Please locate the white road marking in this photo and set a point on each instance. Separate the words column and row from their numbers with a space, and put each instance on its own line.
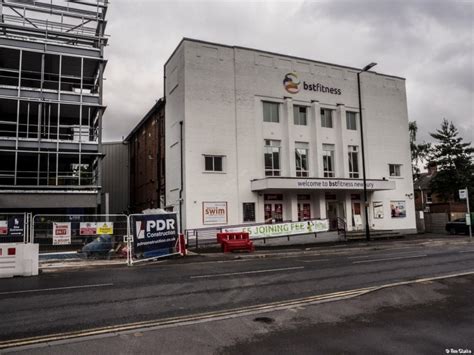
column 467, row 251
column 388, row 255
column 247, row 272
column 314, row 261
column 54, row 289
column 387, row 259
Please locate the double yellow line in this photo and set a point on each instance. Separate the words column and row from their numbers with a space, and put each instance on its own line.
column 219, row 315
column 175, row 321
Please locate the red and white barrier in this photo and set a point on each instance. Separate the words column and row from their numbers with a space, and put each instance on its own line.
column 18, row 259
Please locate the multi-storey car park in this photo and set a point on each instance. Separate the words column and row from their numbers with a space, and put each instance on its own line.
column 51, row 74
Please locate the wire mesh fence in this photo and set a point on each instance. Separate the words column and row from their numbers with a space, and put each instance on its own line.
column 90, row 235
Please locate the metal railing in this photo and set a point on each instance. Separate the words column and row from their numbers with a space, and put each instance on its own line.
column 342, row 227
column 207, row 237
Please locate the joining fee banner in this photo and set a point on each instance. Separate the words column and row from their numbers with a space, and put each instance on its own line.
column 153, row 232
column 283, row 229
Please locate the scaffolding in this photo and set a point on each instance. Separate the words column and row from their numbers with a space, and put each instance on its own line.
column 51, row 77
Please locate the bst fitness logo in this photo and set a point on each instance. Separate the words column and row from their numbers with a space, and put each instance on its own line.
column 291, row 83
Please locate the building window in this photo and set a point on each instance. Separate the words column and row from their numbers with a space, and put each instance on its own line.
column 429, row 197
column 326, row 118
column 249, row 211
column 328, row 160
column 394, row 169
column 272, row 157
column 351, row 120
column 301, row 159
column 271, row 112
column 299, row 115
column 213, row 163
column 353, row 155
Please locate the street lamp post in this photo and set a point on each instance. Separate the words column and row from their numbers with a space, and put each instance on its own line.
column 364, row 178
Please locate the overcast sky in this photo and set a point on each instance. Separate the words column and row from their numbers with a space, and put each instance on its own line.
column 430, row 43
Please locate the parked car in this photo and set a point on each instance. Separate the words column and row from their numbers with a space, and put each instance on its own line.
column 100, row 246
column 457, row 226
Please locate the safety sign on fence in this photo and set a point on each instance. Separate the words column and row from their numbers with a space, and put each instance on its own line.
column 3, row 227
column 154, row 234
column 105, row 228
column 12, row 228
column 61, row 233
column 87, row 228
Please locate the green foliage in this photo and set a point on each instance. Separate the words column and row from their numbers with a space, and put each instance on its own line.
column 453, row 158
column 419, row 152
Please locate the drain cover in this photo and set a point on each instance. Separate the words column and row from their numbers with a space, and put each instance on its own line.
column 266, row 320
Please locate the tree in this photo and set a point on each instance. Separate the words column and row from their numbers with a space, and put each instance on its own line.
column 454, row 160
column 419, row 152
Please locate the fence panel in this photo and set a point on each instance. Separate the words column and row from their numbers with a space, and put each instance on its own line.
column 90, row 235
column 152, row 236
column 436, row 222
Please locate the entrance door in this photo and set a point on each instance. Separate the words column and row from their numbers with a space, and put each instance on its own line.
column 356, row 215
column 334, row 209
column 273, row 212
column 304, row 211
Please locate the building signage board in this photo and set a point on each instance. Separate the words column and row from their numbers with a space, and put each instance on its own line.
column 378, row 209
column 283, row 229
column 214, row 212
column 16, row 226
column 154, row 231
column 88, row 228
column 398, row 209
column 3, row 227
column 105, row 228
column 61, row 233
column 321, row 184
column 293, row 85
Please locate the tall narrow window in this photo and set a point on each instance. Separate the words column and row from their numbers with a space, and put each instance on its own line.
column 328, row 160
column 249, row 211
column 351, row 120
column 301, row 159
column 326, row 118
column 353, row 155
column 271, row 112
column 272, row 157
column 299, row 115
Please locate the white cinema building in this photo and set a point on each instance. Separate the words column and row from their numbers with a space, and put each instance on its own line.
column 253, row 136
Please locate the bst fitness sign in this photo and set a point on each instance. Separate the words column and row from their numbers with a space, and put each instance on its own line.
column 293, row 85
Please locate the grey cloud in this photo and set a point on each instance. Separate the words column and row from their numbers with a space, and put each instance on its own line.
column 430, row 43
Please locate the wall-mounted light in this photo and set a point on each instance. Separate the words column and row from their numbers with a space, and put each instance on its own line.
column 410, row 195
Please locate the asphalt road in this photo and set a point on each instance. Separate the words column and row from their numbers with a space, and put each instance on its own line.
column 67, row 301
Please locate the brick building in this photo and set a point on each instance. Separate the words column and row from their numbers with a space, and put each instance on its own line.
column 147, row 160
